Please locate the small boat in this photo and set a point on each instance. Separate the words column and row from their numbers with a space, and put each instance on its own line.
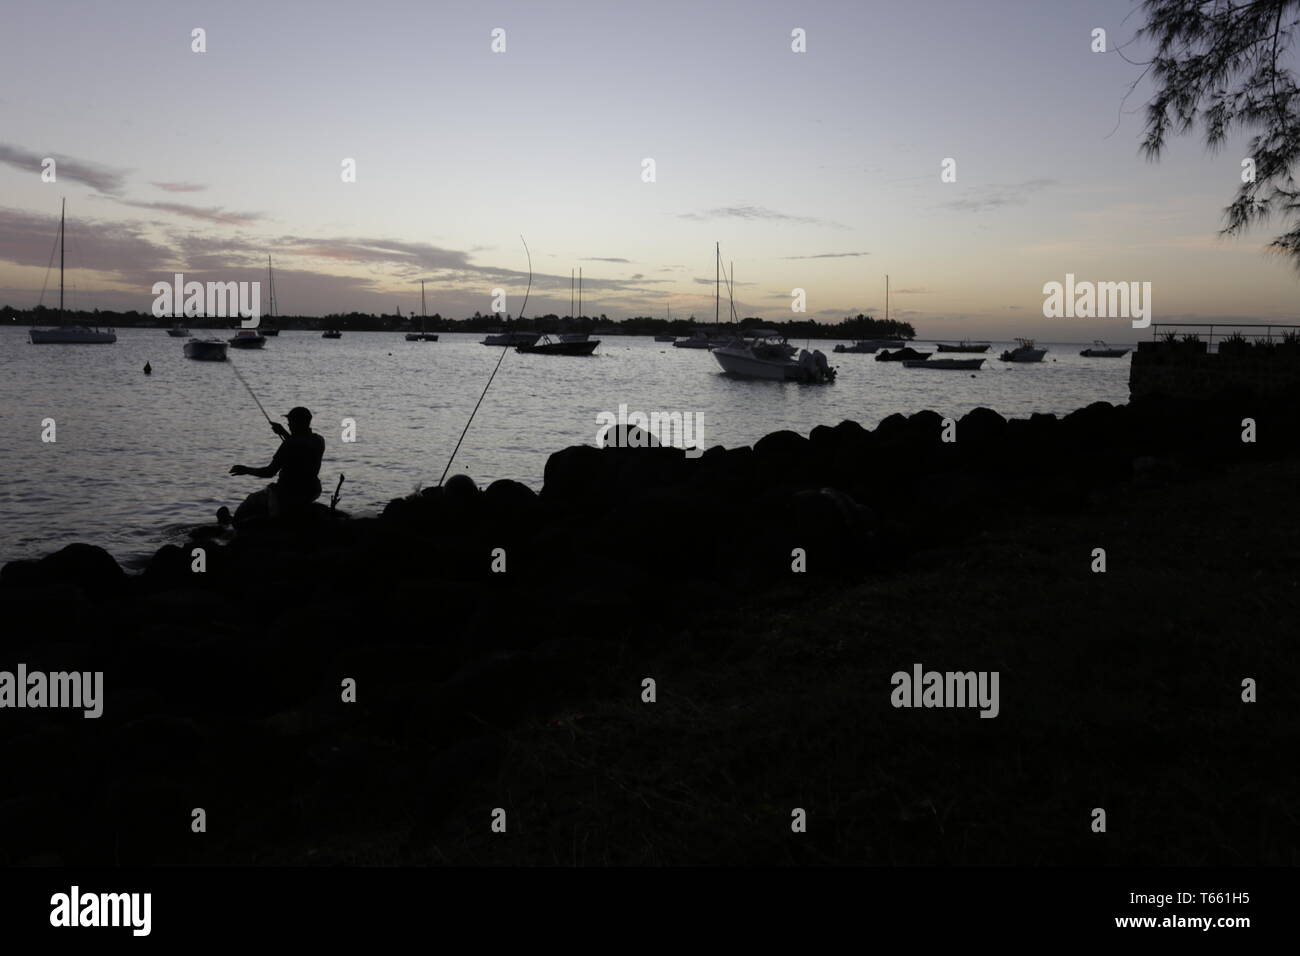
column 965, row 345
column 959, row 364
column 1101, row 350
column 178, row 331
column 331, row 334
column 206, row 350
column 905, row 354
column 550, row 346
column 512, row 338
column 861, row 347
column 68, row 334
column 771, row 357
column 1023, row 352
column 268, row 330
column 248, row 339
column 665, row 338
column 72, row 335
column 697, row 340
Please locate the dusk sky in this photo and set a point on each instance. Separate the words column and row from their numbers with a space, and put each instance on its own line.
column 816, row 170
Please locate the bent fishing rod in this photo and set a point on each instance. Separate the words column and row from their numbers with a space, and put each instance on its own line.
column 504, row 350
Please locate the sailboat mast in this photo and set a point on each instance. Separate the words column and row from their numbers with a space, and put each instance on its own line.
column 731, row 290
column 571, row 315
column 422, row 307
column 717, row 281
column 886, row 297
column 579, row 291
column 63, row 218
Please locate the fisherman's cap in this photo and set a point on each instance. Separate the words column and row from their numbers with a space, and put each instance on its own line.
column 299, row 414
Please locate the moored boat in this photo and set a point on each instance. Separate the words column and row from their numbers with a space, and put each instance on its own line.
column 331, row 334
column 512, row 338
column 178, row 331
column 965, row 345
column 905, row 354
column 550, row 346
column 68, row 334
column 206, row 350
column 1101, row 350
column 772, row 358
column 1025, row 351
column 247, row 339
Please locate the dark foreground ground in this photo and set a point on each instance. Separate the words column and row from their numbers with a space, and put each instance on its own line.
column 523, row 690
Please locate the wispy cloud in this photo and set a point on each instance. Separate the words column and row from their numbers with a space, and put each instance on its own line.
column 830, row 255
column 602, row 259
column 214, row 214
column 1000, row 194
column 103, row 179
column 179, row 187
column 751, row 213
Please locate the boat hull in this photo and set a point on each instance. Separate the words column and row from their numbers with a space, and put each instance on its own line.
column 75, row 335
column 1024, row 355
column 248, row 342
column 963, row 348
column 331, row 335
column 206, row 350
column 905, row 354
column 1104, row 353
column 559, row 348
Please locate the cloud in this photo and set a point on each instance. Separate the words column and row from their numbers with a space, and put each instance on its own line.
column 100, row 178
column 708, row 281
column 602, row 259
column 113, row 247
column 1000, row 194
column 829, row 255
column 179, row 187
column 751, row 213
column 913, row 292
column 214, row 214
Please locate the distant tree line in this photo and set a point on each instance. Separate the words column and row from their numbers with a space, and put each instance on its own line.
column 856, row 327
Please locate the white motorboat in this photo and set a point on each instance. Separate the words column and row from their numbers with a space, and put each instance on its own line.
column 772, row 358
column 1025, row 351
column 1101, row 350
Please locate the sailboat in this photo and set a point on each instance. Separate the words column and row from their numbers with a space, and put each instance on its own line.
column 573, row 343
column 767, row 355
column 70, row 334
column 871, row 346
column 423, row 335
column 269, row 327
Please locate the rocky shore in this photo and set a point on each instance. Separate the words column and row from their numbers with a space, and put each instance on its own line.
column 497, row 641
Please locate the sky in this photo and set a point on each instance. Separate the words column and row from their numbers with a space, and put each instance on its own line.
column 818, row 170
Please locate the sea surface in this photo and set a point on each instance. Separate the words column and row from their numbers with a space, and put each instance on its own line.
column 138, row 458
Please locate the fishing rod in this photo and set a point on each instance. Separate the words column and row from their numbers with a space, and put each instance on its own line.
column 504, row 350
column 241, row 378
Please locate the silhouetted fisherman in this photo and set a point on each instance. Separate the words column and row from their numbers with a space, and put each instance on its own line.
column 296, row 461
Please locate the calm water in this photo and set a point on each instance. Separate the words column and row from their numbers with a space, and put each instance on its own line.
column 139, row 457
